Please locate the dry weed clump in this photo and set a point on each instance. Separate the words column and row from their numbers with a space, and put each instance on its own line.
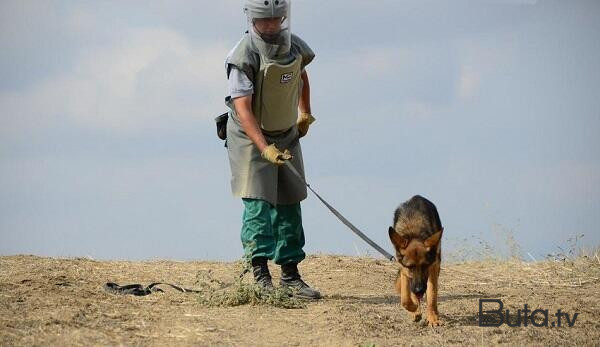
column 216, row 293
column 240, row 293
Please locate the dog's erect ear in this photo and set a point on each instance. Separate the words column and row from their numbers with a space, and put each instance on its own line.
column 398, row 241
column 434, row 239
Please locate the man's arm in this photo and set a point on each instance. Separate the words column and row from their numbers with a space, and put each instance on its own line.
column 243, row 108
column 304, row 103
column 305, row 118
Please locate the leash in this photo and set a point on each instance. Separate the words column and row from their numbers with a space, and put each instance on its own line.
column 339, row 215
column 139, row 290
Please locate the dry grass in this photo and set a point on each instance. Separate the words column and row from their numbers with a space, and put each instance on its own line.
column 551, row 273
column 61, row 301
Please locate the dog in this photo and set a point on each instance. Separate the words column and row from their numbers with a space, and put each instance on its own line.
column 416, row 236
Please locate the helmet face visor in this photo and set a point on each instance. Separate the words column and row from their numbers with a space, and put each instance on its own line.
column 270, row 29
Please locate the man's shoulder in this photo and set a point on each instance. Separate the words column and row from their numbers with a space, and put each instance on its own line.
column 300, row 46
column 242, row 55
column 242, row 48
column 299, row 42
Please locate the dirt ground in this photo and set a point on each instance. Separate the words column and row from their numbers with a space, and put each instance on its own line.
column 50, row 301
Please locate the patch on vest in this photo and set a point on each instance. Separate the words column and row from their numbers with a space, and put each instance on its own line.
column 286, row 77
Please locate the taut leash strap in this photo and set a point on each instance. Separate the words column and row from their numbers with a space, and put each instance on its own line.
column 339, row 215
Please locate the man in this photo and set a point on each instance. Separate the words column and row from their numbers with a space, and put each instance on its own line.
column 268, row 86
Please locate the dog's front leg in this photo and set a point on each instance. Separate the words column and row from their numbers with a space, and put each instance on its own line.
column 432, row 293
column 408, row 300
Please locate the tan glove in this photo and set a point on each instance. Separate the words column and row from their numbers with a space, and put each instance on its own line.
column 304, row 120
column 274, row 155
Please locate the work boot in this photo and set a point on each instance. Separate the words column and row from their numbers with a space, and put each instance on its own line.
column 290, row 278
column 262, row 277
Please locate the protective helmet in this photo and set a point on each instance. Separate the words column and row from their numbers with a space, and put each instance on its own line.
column 269, row 26
column 267, row 8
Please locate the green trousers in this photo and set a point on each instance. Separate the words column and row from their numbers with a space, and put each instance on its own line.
column 274, row 232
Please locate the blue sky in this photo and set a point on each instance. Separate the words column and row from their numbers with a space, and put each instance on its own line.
column 488, row 108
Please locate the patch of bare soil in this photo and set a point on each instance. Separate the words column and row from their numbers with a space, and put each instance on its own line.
column 62, row 301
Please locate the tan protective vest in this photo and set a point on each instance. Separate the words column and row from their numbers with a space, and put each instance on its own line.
column 276, row 93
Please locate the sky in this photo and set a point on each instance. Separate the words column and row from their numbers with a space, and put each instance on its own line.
column 490, row 109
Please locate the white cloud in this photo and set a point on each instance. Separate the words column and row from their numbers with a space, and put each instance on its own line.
column 145, row 79
column 140, row 80
column 479, row 60
column 468, row 82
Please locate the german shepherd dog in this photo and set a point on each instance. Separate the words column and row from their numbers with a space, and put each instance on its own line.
column 416, row 236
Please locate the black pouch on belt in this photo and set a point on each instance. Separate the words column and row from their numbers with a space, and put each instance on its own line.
column 222, row 125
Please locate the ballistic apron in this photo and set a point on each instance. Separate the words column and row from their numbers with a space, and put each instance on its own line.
column 277, row 87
